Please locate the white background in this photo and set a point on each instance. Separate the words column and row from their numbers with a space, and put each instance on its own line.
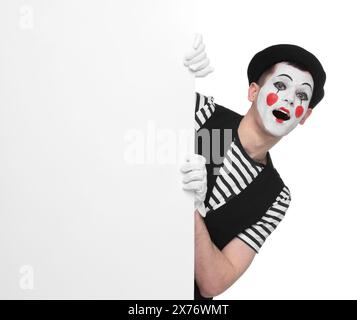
column 312, row 253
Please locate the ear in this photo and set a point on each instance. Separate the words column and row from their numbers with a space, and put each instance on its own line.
column 306, row 115
column 253, row 91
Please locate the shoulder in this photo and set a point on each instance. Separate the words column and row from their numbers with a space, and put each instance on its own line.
column 206, row 107
column 202, row 100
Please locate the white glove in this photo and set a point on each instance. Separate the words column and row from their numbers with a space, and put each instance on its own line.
column 195, row 179
column 197, row 60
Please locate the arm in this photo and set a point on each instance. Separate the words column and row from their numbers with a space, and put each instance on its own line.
column 215, row 270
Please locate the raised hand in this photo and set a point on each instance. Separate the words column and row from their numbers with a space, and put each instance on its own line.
column 196, row 60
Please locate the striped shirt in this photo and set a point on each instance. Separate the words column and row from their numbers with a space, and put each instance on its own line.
column 237, row 171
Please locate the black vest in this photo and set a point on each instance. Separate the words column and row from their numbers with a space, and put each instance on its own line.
column 246, row 208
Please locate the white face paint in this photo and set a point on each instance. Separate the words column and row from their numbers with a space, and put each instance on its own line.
column 284, row 99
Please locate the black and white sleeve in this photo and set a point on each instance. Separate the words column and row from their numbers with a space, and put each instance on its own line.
column 204, row 108
column 256, row 234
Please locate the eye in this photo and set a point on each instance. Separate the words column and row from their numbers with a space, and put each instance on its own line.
column 279, row 85
column 302, row 96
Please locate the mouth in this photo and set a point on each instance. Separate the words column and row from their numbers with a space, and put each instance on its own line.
column 282, row 114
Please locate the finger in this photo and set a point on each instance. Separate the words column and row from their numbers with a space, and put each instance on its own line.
column 196, row 175
column 200, row 66
column 192, row 166
column 195, row 157
column 200, row 197
column 193, row 162
column 203, row 73
column 198, row 40
column 202, row 56
column 195, row 52
column 202, row 190
column 192, row 186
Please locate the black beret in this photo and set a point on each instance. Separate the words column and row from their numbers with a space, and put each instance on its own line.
column 266, row 58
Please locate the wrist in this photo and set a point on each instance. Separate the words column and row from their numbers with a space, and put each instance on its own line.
column 199, row 224
column 200, row 207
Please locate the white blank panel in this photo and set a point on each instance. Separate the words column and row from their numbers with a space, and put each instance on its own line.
column 94, row 104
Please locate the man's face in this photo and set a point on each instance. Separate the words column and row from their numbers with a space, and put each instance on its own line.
column 284, row 98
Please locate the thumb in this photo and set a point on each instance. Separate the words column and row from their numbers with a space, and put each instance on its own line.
column 198, row 40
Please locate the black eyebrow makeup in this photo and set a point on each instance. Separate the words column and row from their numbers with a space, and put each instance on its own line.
column 285, row 75
column 307, row 84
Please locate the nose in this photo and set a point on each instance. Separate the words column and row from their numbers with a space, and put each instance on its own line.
column 289, row 98
column 289, row 101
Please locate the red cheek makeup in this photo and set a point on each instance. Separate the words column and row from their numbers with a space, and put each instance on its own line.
column 272, row 98
column 299, row 111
